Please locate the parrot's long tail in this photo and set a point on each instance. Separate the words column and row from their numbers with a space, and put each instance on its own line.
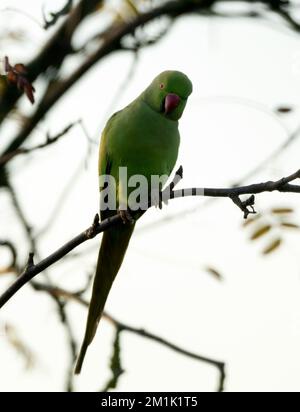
column 111, row 254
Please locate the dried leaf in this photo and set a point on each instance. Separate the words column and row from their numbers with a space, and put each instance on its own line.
column 284, row 109
column 290, row 225
column 212, row 271
column 7, row 270
column 15, row 341
column 29, row 90
column 251, row 219
column 15, row 35
column 261, row 231
column 17, row 75
column 272, row 246
column 282, row 210
column 20, row 68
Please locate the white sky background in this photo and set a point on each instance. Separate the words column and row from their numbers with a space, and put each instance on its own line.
column 241, row 69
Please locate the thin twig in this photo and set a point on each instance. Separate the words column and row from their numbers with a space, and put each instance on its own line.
column 19, row 211
column 23, row 13
column 55, row 16
column 13, row 251
column 49, row 141
column 292, row 138
column 120, row 91
column 69, row 186
column 59, row 304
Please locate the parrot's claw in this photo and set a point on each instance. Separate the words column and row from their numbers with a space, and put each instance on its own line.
column 126, row 216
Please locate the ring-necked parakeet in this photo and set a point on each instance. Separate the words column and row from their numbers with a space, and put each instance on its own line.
column 144, row 138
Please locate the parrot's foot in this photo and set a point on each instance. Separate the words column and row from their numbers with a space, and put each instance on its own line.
column 126, row 216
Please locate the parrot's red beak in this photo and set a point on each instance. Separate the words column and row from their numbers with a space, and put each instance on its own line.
column 171, row 102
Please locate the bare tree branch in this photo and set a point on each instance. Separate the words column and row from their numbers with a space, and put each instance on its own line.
column 284, row 13
column 52, row 55
column 59, row 47
column 59, row 304
column 139, row 332
column 282, row 185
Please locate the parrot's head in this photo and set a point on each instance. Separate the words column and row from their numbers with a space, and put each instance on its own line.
column 168, row 94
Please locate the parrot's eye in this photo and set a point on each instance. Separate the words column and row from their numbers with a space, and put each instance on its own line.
column 161, row 86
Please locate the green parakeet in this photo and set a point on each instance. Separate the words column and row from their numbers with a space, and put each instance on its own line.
column 144, row 138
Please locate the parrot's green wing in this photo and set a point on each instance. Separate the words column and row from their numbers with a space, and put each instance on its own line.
column 105, row 159
column 111, row 254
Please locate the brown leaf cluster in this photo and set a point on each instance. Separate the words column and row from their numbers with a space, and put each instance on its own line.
column 17, row 75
